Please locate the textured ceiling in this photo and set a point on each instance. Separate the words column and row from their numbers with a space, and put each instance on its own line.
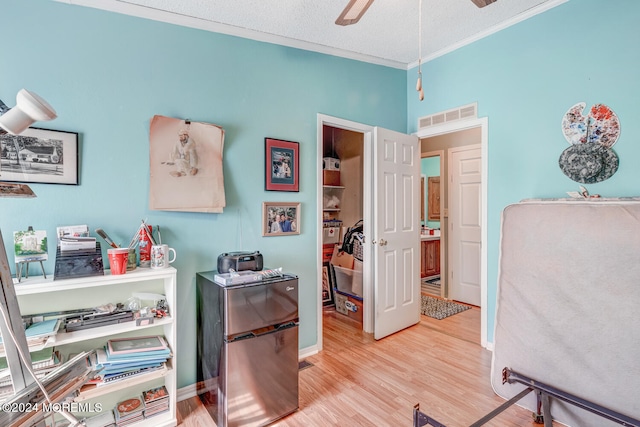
column 387, row 34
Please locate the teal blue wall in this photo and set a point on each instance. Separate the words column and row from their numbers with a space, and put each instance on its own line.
column 430, row 166
column 524, row 79
column 107, row 75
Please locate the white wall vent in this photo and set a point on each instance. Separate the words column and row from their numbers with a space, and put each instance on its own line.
column 461, row 113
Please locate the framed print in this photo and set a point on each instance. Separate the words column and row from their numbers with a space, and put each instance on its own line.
column 30, row 245
column 280, row 218
column 327, row 285
column 40, row 156
column 186, row 168
column 281, row 165
column 119, row 346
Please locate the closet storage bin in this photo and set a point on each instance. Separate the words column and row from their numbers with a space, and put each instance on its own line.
column 348, row 281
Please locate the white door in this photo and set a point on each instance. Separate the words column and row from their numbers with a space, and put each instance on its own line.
column 465, row 223
column 396, row 222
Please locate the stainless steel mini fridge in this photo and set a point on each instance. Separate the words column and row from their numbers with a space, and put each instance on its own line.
column 248, row 349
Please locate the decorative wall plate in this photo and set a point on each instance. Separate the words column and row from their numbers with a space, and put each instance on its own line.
column 600, row 126
column 588, row 163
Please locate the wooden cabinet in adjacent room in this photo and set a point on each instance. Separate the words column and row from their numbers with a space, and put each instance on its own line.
column 430, row 258
column 433, row 188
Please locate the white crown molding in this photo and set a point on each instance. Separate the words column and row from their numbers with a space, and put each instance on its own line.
column 120, row 6
column 125, row 8
column 492, row 30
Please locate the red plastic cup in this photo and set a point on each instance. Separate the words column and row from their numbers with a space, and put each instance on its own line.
column 118, row 258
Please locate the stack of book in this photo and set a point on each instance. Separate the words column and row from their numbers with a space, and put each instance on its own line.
column 129, row 411
column 156, row 401
column 125, row 358
column 38, row 333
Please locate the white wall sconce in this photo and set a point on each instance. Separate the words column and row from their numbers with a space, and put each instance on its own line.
column 29, row 108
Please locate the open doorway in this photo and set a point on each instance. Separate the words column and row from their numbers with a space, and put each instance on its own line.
column 432, row 236
column 390, row 188
column 444, row 140
column 358, row 136
column 343, row 224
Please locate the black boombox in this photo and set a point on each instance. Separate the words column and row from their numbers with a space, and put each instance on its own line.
column 239, row 261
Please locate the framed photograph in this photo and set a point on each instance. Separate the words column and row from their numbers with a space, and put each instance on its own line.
column 41, row 156
column 327, row 285
column 281, row 165
column 280, row 218
column 119, row 346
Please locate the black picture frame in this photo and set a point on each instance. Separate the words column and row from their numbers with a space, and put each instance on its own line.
column 39, row 156
column 327, row 285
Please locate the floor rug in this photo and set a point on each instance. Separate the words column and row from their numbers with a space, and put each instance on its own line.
column 439, row 309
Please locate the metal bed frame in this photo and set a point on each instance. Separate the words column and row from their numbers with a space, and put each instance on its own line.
column 544, row 393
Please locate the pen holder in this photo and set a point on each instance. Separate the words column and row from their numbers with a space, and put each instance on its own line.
column 132, row 261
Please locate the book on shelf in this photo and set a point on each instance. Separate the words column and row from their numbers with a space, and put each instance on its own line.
column 102, row 360
column 38, row 333
column 129, row 411
column 111, row 378
column 156, row 401
column 137, row 347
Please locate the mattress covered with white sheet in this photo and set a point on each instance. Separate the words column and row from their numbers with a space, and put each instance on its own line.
column 568, row 304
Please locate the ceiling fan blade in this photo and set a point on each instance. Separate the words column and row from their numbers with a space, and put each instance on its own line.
column 483, row 3
column 353, row 12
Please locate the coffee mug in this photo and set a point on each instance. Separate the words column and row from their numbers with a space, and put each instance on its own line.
column 160, row 256
column 118, row 258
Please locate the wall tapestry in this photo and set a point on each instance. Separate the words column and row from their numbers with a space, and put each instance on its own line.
column 186, row 166
column 590, row 158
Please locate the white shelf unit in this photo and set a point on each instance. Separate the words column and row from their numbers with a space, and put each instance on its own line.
column 38, row 295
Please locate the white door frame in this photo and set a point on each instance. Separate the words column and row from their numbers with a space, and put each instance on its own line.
column 367, row 192
column 483, row 124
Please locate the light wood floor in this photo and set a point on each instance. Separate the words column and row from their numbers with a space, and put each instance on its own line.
column 357, row 381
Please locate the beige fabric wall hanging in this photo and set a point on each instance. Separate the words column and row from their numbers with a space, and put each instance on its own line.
column 186, row 166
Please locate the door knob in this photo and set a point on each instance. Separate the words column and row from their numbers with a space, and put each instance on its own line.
column 383, row 242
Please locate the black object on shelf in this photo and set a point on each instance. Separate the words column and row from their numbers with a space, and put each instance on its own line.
column 78, row 263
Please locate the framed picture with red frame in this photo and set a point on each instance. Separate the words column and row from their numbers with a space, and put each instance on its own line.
column 282, row 162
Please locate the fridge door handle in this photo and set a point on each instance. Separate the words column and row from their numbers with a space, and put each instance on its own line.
column 262, row 331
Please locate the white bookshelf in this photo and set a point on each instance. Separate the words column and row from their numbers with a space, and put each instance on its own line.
column 39, row 295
